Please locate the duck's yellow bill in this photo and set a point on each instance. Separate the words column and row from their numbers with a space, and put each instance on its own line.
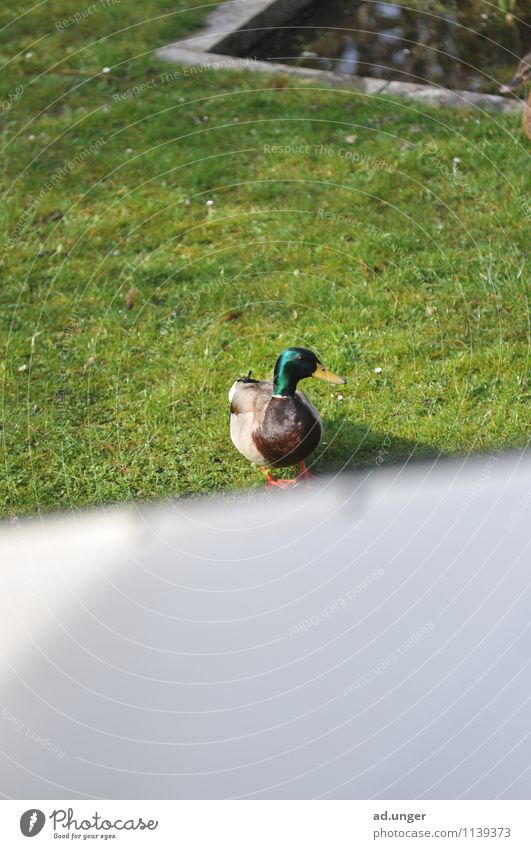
column 328, row 376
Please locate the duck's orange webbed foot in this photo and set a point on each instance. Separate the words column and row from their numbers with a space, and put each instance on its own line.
column 281, row 483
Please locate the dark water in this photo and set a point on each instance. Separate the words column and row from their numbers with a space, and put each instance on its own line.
column 470, row 45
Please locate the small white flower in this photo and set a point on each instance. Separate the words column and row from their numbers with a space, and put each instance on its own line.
column 29, row 54
column 339, row 397
column 210, row 203
column 129, row 150
column 377, row 370
column 23, row 367
column 106, row 70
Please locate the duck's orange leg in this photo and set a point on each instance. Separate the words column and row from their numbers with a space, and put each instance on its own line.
column 281, row 483
column 304, row 473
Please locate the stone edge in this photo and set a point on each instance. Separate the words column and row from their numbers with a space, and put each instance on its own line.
column 225, row 30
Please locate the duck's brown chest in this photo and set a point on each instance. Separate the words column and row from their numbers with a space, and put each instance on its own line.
column 290, row 431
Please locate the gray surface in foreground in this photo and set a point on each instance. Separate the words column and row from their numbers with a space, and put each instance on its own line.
column 213, row 650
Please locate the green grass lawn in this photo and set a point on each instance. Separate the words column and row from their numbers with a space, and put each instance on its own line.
column 400, row 266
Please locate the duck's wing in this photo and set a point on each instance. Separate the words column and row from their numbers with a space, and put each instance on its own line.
column 248, row 401
column 247, row 395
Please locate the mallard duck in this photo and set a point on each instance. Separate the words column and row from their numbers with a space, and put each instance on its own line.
column 274, row 424
column 522, row 77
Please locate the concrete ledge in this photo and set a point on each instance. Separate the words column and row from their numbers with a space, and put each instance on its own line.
column 198, row 57
column 233, row 27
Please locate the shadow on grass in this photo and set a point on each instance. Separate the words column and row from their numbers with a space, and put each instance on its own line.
column 346, row 446
column 354, row 445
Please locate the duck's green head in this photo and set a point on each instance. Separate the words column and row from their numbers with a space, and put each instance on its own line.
column 295, row 364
